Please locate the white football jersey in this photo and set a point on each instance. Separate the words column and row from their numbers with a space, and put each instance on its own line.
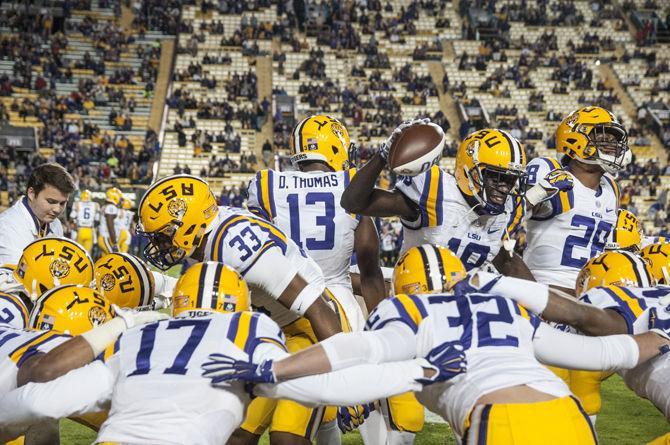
column 13, row 311
column 496, row 334
column 565, row 232
column 650, row 379
column 17, row 345
column 159, row 393
column 306, row 206
column 239, row 239
column 85, row 214
column 446, row 218
column 109, row 209
column 124, row 220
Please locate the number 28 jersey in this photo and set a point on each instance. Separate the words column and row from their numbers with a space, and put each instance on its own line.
column 570, row 228
column 306, row 206
column 446, row 218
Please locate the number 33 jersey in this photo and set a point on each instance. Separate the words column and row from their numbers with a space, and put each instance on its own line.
column 446, row 218
column 570, row 228
column 306, row 206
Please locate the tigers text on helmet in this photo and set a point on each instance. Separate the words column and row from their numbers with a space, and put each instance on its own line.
column 593, row 135
column 50, row 262
column 124, row 280
column 659, row 257
column 321, row 138
column 175, row 214
column 427, row 269
column 627, row 234
column 70, row 310
column 616, row 267
column 490, row 166
column 210, row 287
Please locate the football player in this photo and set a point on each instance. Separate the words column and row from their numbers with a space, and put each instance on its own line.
column 35, row 215
column 210, row 309
column 125, row 225
column 126, row 281
column 49, row 262
column 109, row 231
column 571, row 227
column 472, row 212
column 45, row 350
column 506, row 395
column 180, row 217
column 616, row 269
column 85, row 214
column 306, row 205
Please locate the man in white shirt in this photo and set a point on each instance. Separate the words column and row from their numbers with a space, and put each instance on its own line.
column 35, row 214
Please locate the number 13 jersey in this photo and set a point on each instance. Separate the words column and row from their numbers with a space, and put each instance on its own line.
column 570, row 228
column 306, row 206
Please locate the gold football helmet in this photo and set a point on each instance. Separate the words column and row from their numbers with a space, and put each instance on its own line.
column 50, row 262
column 210, row 286
column 70, row 310
column 627, row 234
column 427, row 269
column 113, row 195
column 85, row 195
column 659, row 257
column 126, row 204
column 615, row 267
column 124, row 280
column 175, row 214
column 321, row 138
column 490, row 166
column 594, row 136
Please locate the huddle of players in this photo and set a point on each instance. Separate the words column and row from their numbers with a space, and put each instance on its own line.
column 113, row 221
column 467, row 341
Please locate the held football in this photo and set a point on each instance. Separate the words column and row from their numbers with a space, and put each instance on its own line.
column 416, row 149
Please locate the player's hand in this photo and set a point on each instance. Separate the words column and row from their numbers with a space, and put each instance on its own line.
column 222, row 368
column 135, row 318
column 446, row 360
column 351, row 417
column 161, row 301
column 9, row 285
column 386, row 145
column 477, row 281
column 557, row 180
column 659, row 321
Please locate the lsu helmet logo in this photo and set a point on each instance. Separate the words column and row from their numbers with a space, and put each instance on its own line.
column 59, row 268
column 177, row 208
column 107, row 282
column 97, row 316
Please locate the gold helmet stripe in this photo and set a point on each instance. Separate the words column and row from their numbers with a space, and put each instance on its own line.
column 515, row 149
column 202, row 284
column 440, row 263
column 431, row 266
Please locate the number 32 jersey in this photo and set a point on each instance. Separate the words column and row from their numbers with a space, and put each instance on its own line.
column 306, row 206
column 570, row 228
column 446, row 218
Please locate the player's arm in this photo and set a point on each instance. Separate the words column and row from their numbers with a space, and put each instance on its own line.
column 83, row 390
column 109, row 220
column 362, row 197
column 83, row 349
column 366, row 245
column 554, row 305
column 606, row 353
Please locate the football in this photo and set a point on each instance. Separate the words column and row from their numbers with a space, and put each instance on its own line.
column 416, row 149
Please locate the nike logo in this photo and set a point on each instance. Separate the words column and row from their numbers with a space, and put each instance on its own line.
column 492, row 231
column 609, row 210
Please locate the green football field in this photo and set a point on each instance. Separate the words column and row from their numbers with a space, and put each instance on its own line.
column 624, row 420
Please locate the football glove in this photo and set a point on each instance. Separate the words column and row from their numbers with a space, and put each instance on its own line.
column 555, row 181
column 222, row 368
column 386, row 145
column 478, row 281
column 447, row 360
column 134, row 318
column 659, row 321
column 351, row 417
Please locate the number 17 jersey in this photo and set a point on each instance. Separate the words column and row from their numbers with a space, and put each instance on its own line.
column 306, row 206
